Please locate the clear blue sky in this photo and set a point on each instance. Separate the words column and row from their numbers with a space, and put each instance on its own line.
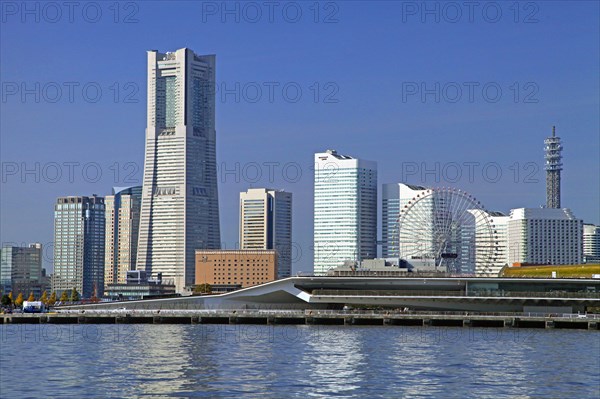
column 361, row 76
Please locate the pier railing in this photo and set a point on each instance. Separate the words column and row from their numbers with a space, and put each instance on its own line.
column 477, row 294
column 316, row 312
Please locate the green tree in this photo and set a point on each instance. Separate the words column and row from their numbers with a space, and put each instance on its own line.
column 6, row 301
column 52, row 299
column 19, row 300
column 31, row 297
column 44, row 298
column 202, row 289
column 64, row 297
column 74, row 295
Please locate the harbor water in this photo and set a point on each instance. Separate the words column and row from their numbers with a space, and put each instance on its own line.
column 266, row 361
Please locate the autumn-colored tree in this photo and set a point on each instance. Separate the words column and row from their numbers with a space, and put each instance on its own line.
column 10, row 296
column 19, row 300
column 52, row 299
column 64, row 297
column 44, row 298
column 74, row 295
column 31, row 297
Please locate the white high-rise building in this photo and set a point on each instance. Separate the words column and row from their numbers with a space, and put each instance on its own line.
column 180, row 210
column 394, row 197
column 490, row 248
column 544, row 236
column 345, row 210
column 591, row 243
column 266, row 223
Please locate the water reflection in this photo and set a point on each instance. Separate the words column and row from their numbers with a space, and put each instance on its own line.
column 154, row 359
column 130, row 361
column 335, row 362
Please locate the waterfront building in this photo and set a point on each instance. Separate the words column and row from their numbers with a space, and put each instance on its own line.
column 377, row 267
column 21, row 270
column 394, row 197
column 240, row 268
column 591, row 243
column 266, row 223
column 137, row 285
column 180, row 210
column 121, row 233
column 345, row 210
column 79, row 235
column 415, row 291
column 544, row 236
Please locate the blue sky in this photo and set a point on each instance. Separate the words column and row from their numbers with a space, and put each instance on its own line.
column 377, row 80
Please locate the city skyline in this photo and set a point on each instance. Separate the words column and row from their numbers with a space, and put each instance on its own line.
column 272, row 199
column 411, row 137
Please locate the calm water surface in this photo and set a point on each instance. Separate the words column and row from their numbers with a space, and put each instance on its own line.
column 163, row 361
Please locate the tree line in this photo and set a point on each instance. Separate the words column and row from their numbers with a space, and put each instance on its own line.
column 66, row 296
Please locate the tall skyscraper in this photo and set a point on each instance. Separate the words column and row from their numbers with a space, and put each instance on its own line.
column 345, row 210
column 266, row 223
column 180, row 209
column 553, row 149
column 21, row 269
column 544, row 236
column 122, row 227
column 79, row 245
column 394, row 197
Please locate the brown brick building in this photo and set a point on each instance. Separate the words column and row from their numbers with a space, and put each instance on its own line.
column 235, row 267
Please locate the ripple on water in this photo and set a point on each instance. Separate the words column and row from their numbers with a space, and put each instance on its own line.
column 296, row 362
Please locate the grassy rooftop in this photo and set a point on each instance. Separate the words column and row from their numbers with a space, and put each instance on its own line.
column 562, row 271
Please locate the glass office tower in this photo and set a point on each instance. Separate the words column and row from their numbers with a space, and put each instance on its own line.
column 79, row 245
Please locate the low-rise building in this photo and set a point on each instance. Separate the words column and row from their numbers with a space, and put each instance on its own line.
column 235, row 267
column 139, row 286
column 390, row 267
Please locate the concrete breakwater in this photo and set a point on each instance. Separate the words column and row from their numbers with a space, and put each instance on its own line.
column 317, row 317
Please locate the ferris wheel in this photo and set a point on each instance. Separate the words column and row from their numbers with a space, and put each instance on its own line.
column 446, row 229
